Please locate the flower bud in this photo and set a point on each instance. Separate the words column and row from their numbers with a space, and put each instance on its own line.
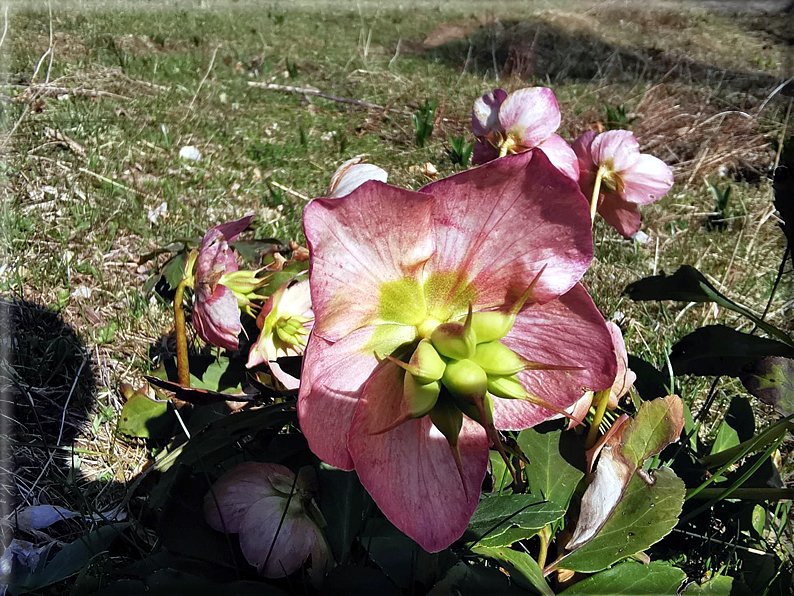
column 497, row 359
column 455, row 340
column 420, row 397
column 465, row 378
column 243, row 283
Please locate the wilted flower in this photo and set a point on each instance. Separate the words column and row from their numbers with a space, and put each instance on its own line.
column 625, row 177
column 221, row 288
column 285, row 322
column 525, row 119
column 458, row 299
column 273, row 512
column 352, row 174
column 624, row 379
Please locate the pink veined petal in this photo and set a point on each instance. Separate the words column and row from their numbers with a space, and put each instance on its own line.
column 485, row 114
column 297, row 299
column 233, row 229
column 621, row 215
column 290, row 383
column 561, row 156
column 293, row 540
column 565, row 332
column 530, row 115
column 236, row 491
column 332, row 380
column 579, row 409
column 410, row 470
column 625, row 377
column 581, row 147
column 217, row 317
column 497, row 226
column 215, row 258
column 620, row 146
column 483, row 153
column 647, row 180
column 376, row 234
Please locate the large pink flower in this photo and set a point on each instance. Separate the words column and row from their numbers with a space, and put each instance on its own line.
column 216, row 314
column 393, row 275
column 525, row 119
column 628, row 178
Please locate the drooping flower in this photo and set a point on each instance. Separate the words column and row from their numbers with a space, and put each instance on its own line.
column 462, row 298
column 272, row 511
column 352, row 174
column 221, row 288
column 624, row 379
column 626, row 178
column 525, row 119
column 284, row 322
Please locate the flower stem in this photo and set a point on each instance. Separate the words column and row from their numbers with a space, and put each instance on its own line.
column 544, row 535
column 601, row 400
column 182, row 365
column 596, row 192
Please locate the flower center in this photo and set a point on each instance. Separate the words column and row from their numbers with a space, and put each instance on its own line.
column 291, row 330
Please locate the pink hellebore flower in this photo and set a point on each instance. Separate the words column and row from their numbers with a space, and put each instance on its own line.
column 251, row 499
column 627, row 178
column 460, row 298
column 525, row 119
column 352, row 174
column 220, row 286
column 624, row 379
column 285, row 322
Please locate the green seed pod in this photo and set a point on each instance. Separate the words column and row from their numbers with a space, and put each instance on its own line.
column 420, row 397
column 242, row 282
column 497, row 359
column 470, row 407
column 465, row 378
column 427, row 365
column 506, row 387
column 454, row 340
column 447, row 419
column 492, row 325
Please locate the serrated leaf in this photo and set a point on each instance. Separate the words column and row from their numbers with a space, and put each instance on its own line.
column 645, row 515
column 144, row 418
column 225, row 375
column 556, row 462
column 495, row 514
column 345, row 505
column 631, row 579
column 523, row 569
column 507, row 537
column 657, row 424
column 174, row 269
column 499, row 472
column 720, row 350
column 771, row 380
column 722, row 585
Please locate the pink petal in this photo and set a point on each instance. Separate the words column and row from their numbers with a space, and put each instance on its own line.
column 214, row 259
column 376, row 234
column 294, row 538
column 332, row 380
column 565, row 332
column 217, row 317
column 233, row 229
column 581, row 147
column 647, row 180
column 485, row 114
column 483, row 153
column 621, row 215
column 236, row 491
column 619, row 146
column 625, row 377
column 352, row 174
column 579, row 409
column 290, row 383
column 410, row 471
column 530, row 115
column 561, row 156
column 498, row 225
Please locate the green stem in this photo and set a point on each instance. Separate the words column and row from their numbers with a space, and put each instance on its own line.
column 544, row 546
column 601, row 399
column 182, row 365
column 596, row 192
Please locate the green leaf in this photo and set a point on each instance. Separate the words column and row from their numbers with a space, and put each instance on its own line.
column 507, row 536
column 174, row 269
column 501, row 475
column 720, row 350
column 631, row 579
column 523, row 569
column 771, row 380
column 345, row 505
column 556, row 462
column 737, row 426
column 145, row 418
column 657, row 424
column 689, row 285
column 722, row 585
column 495, row 514
column 645, row 515
column 225, row 375
column 475, row 580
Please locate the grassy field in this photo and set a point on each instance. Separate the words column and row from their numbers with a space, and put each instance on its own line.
column 99, row 101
